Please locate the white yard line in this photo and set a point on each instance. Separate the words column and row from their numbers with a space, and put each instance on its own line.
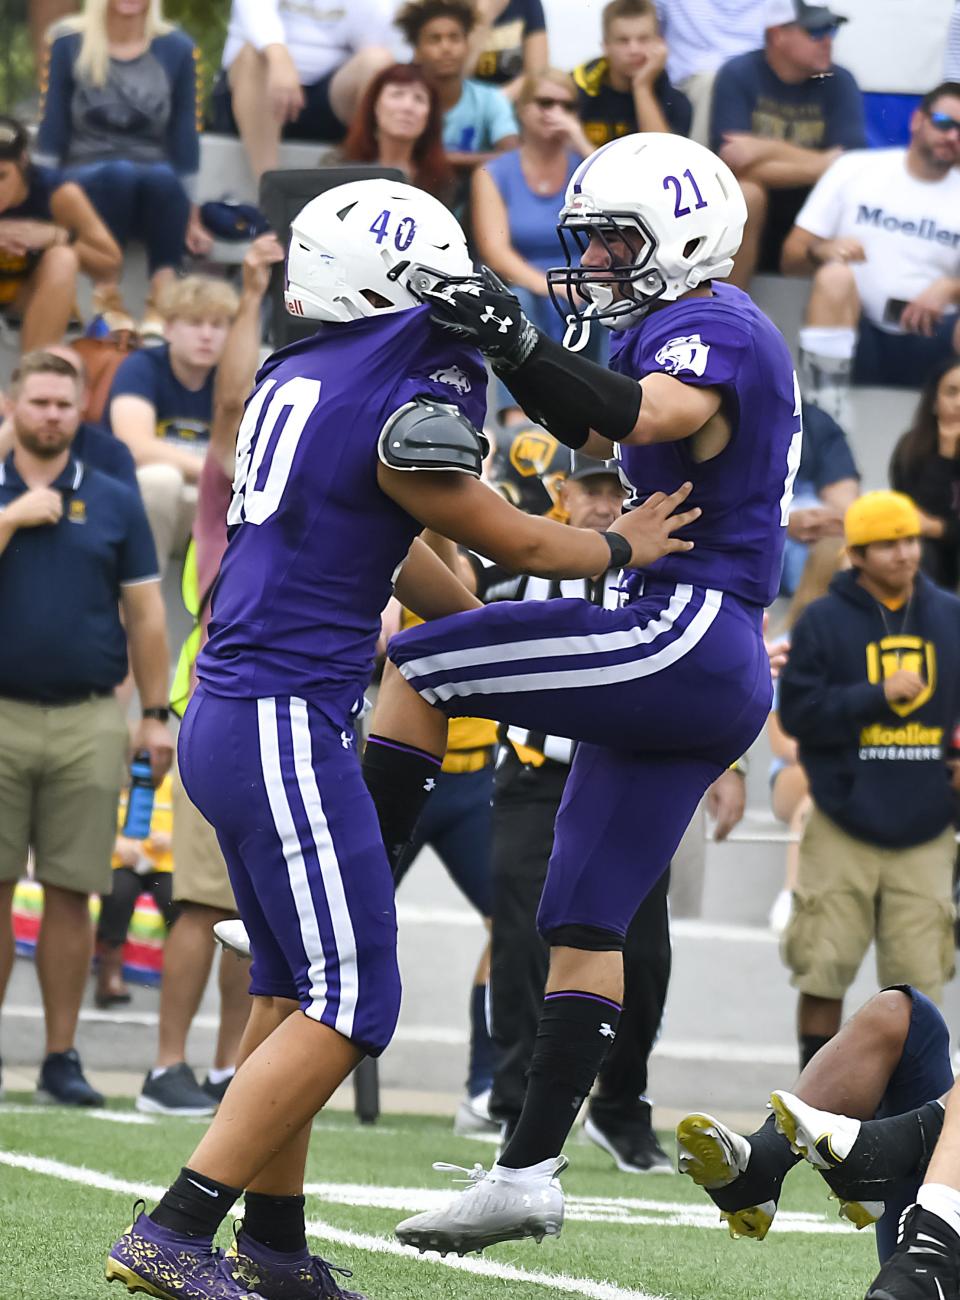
column 579, row 1209
column 343, row 1236
column 111, row 1116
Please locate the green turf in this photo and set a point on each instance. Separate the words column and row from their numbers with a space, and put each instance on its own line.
column 54, row 1234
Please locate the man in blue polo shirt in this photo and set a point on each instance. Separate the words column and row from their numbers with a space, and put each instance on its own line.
column 75, row 550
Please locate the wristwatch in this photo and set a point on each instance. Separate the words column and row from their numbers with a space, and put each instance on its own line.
column 160, row 712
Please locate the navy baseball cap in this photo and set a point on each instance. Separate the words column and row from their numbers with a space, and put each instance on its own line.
column 810, row 17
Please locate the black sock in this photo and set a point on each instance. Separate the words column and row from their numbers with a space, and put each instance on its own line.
column 574, row 1034
column 483, row 1053
column 400, row 779
column 275, row 1221
column 770, row 1161
column 194, row 1205
column 888, row 1151
column 810, row 1044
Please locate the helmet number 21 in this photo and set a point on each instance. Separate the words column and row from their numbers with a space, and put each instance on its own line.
column 403, row 235
column 681, row 209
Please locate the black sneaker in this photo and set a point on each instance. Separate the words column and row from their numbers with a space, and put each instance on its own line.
column 629, row 1138
column 215, row 1091
column 61, row 1082
column 174, row 1092
column 925, row 1264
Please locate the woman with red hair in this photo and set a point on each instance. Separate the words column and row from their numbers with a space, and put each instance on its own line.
column 398, row 124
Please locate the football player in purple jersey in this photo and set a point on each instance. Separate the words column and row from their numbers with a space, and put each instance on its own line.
column 338, row 426
column 662, row 694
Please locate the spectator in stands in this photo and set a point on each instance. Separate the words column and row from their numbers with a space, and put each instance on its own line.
column 926, row 466
column 48, row 230
column 510, row 41
column 881, row 235
column 82, row 539
column 478, row 120
column 398, row 124
column 296, row 71
column 871, row 691
column 91, row 444
column 826, row 483
column 138, row 867
column 161, row 404
column 789, row 787
column 201, row 887
column 120, row 114
column 628, row 88
column 515, row 199
column 701, row 36
column 781, row 116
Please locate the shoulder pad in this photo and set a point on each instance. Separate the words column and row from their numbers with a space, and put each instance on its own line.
column 431, row 435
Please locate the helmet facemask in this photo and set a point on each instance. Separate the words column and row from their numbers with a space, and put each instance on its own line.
column 582, row 294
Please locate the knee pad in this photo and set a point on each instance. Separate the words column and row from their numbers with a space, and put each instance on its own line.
column 588, row 938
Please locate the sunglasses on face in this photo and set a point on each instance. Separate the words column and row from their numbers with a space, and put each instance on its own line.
column 823, row 33
column 546, row 103
column 944, row 122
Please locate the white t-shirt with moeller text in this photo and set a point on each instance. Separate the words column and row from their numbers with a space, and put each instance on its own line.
column 909, row 229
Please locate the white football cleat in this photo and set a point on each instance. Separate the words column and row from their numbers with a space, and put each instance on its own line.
column 825, row 1141
column 232, row 937
column 714, row 1156
column 502, row 1205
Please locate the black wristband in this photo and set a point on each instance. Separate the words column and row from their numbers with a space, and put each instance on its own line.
column 159, row 712
column 621, row 552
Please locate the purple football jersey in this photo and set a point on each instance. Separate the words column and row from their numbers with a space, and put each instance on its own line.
column 314, row 542
column 723, row 342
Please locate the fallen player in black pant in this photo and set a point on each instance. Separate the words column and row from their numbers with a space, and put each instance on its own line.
column 887, row 1068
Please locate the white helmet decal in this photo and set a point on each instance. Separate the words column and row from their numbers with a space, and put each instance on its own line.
column 673, row 204
column 356, row 249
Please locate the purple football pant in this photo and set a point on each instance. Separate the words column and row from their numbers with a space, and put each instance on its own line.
column 663, row 695
column 282, row 788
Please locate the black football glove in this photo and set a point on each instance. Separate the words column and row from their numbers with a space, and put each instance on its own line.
column 485, row 313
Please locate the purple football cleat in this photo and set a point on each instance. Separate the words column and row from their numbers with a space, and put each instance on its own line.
column 165, row 1264
column 275, row 1276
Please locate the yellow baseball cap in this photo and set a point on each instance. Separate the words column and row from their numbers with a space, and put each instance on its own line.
column 880, row 517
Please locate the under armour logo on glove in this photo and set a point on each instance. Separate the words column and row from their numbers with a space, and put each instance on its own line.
column 489, row 317
column 485, row 313
column 607, row 1032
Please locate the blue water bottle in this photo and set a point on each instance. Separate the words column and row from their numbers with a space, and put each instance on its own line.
column 140, row 802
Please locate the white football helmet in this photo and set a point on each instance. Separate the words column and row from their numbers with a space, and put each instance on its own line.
column 356, row 249
column 680, row 200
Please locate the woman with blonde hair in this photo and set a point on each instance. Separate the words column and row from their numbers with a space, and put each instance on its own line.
column 120, row 115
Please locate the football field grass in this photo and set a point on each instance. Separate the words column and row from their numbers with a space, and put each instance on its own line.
column 68, row 1182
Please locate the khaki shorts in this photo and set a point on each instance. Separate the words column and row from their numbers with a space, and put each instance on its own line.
column 850, row 893
column 60, row 775
column 199, row 871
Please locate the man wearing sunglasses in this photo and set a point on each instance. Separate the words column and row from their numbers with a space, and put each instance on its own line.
column 781, row 116
column 880, row 234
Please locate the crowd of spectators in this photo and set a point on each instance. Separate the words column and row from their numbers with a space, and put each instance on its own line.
column 462, row 98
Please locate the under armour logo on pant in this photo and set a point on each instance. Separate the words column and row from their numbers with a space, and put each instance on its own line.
column 607, row 1032
column 504, row 322
column 429, row 784
column 346, row 740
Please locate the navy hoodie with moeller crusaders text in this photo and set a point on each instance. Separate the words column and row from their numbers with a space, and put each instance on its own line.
column 878, row 770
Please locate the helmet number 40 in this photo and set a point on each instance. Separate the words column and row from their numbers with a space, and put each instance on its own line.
column 403, row 235
column 681, row 209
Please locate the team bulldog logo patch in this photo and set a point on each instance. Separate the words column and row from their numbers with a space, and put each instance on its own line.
column 454, row 377
column 689, row 353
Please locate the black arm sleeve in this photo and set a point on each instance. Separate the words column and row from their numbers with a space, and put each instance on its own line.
column 569, row 395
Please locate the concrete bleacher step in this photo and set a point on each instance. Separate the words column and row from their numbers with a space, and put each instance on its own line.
column 225, row 171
